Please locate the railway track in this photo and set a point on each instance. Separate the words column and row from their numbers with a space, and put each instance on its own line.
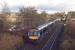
column 47, row 43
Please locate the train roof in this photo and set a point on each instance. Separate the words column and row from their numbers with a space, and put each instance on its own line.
column 47, row 24
column 44, row 25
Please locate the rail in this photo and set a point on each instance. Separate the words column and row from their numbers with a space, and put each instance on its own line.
column 53, row 42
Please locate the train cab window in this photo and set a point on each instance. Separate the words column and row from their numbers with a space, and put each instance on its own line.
column 30, row 33
column 34, row 33
column 38, row 33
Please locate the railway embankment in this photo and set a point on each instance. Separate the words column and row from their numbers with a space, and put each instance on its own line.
column 68, row 38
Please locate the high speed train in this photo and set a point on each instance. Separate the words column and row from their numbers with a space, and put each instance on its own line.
column 39, row 32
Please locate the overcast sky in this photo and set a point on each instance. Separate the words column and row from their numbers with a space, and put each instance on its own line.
column 48, row 5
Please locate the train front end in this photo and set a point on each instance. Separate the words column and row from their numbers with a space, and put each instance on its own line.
column 33, row 34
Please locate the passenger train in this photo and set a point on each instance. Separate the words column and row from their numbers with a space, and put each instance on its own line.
column 39, row 32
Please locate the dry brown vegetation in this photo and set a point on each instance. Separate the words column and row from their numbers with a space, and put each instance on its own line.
column 69, row 37
column 9, row 42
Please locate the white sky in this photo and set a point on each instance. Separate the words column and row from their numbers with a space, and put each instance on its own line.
column 51, row 5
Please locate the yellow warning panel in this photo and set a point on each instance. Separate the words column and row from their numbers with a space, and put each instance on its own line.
column 33, row 37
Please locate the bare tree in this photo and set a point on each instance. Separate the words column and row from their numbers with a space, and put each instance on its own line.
column 31, row 17
column 5, row 9
column 44, row 17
